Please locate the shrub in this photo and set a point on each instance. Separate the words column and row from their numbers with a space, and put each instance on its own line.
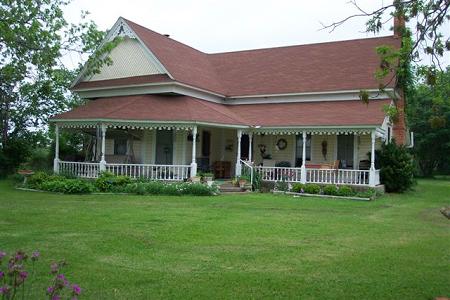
column 397, row 168
column 345, row 191
column 298, row 188
column 174, row 189
column 108, row 182
column 312, row 189
column 68, row 186
column 266, row 186
column 282, row 186
column 370, row 193
column 330, row 190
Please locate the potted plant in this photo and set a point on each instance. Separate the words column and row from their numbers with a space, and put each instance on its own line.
column 243, row 181
column 208, row 178
column 195, row 179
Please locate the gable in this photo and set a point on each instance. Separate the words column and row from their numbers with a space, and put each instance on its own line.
column 129, row 59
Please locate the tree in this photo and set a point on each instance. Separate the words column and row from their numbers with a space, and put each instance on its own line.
column 34, row 36
column 429, row 118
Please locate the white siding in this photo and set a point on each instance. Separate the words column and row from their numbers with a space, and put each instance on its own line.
column 129, row 59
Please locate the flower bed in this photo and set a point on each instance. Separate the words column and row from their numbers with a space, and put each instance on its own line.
column 335, row 191
column 109, row 183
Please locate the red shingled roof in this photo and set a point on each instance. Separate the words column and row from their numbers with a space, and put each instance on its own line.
column 189, row 109
column 343, row 65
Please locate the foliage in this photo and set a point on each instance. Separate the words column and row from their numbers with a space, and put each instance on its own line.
column 282, row 186
column 34, row 82
column 174, row 189
column 108, row 182
column 369, row 193
column 396, row 167
column 330, row 190
column 67, row 186
column 428, row 113
column 345, row 191
column 312, row 188
column 298, row 188
column 266, row 186
column 17, row 277
column 257, row 180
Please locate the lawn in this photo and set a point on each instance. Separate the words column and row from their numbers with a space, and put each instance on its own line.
column 237, row 246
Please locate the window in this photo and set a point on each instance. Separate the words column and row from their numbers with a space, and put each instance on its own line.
column 120, row 146
column 299, row 149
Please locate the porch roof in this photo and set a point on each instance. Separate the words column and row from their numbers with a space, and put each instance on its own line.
column 185, row 109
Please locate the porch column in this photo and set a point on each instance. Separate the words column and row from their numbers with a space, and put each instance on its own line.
column 102, row 153
column 372, row 162
column 194, row 152
column 303, row 168
column 56, row 160
column 238, row 169
column 250, row 140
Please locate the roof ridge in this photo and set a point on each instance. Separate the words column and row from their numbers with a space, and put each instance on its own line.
column 304, row 45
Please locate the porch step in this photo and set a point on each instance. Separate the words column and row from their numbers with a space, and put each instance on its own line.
column 227, row 187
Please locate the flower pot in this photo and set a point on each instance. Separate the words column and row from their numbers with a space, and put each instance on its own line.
column 242, row 183
column 195, row 179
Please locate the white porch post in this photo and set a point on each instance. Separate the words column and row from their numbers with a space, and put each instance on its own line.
column 194, row 152
column 372, row 162
column 238, row 169
column 103, row 150
column 303, row 168
column 250, row 140
column 56, row 160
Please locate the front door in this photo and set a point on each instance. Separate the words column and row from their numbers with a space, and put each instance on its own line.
column 345, row 151
column 164, row 147
column 244, row 146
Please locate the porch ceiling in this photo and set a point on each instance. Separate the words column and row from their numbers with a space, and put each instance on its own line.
column 158, row 108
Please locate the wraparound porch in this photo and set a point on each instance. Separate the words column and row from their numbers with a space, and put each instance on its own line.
column 177, row 151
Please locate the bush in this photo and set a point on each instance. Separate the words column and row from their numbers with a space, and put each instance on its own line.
column 330, row 190
column 312, row 189
column 267, row 186
column 282, row 186
column 397, row 168
column 345, row 191
column 37, row 179
column 298, row 188
column 175, row 189
column 68, row 186
column 39, row 160
column 370, row 193
column 108, row 182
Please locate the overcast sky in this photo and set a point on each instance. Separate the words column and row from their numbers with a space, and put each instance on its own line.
column 218, row 26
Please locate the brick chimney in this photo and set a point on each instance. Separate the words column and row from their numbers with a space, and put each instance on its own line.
column 399, row 25
column 399, row 127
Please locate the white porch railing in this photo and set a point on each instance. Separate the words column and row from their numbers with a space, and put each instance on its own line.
column 279, row 174
column 79, row 169
column 155, row 172
column 320, row 176
column 338, row 176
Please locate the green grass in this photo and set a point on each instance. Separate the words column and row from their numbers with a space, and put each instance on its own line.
column 249, row 246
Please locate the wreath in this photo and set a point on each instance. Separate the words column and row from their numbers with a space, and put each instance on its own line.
column 281, row 144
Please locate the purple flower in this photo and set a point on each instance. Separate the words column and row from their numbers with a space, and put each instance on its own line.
column 2, row 254
column 4, row 290
column 76, row 289
column 302, row 191
column 35, row 255
column 2, row 274
column 23, row 275
column 50, row 290
column 56, row 297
